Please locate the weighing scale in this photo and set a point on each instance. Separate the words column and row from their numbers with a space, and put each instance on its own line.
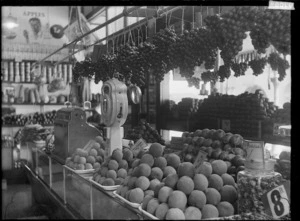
column 114, row 111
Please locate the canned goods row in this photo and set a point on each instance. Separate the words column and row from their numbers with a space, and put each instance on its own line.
column 21, row 72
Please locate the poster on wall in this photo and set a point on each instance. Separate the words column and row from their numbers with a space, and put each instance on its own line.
column 35, row 25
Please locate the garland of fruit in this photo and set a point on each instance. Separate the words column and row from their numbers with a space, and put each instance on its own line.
column 199, row 46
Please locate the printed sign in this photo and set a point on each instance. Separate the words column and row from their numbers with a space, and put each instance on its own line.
column 276, row 202
column 138, row 146
column 177, row 143
column 201, row 157
column 225, row 125
column 254, row 149
column 281, row 5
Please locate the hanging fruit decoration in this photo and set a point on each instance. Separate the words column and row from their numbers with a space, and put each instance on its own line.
column 278, row 64
column 209, row 76
column 258, row 65
column 199, row 46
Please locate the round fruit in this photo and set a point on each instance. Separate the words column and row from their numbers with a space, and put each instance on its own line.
column 108, row 182
column 169, row 170
column 219, row 167
column 101, row 180
column 135, row 163
column 156, row 173
column 90, row 159
column 285, row 155
column 207, row 142
column 136, row 195
column 153, row 184
column 215, row 181
column 131, row 182
column 127, row 155
column 99, row 139
column 197, row 198
column 82, row 160
column 148, row 159
column 122, row 173
column 143, row 170
column 80, row 166
column 225, row 209
column 117, row 155
column 171, row 180
column 177, row 199
column 192, row 213
column 173, row 160
column 93, row 152
column 175, row 214
column 156, row 150
column 160, row 162
column 164, row 193
column 186, row 169
column 88, row 166
column 101, row 153
column 142, row 182
column 113, row 165
column 146, row 200
column 152, row 206
column 212, row 196
column 228, row 193
column 149, row 192
column 227, row 179
column 161, row 211
column 123, row 164
column 215, row 154
column 201, row 182
column 111, row 174
column 119, row 181
column 205, row 168
column 209, row 211
column 157, row 188
column 185, row 184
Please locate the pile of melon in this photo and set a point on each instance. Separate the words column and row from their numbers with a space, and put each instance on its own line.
column 218, row 145
column 170, row 189
column 89, row 157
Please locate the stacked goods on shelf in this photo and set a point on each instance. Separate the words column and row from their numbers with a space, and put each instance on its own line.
column 186, row 107
column 46, row 118
column 218, row 145
column 167, row 188
column 170, row 109
column 283, row 165
column 89, row 157
column 145, row 131
column 244, row 111
column 32, row 133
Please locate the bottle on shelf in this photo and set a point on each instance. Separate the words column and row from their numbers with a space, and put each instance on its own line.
column 11, row 71
column 27, row 73
column 65, row 72
column 22, row 73
column 17, row 73
column 5, row 71
column 70, row 75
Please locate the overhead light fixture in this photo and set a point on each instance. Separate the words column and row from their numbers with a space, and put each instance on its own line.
column 10, row 22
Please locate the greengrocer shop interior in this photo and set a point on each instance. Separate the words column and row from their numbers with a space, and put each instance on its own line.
column 59, row 25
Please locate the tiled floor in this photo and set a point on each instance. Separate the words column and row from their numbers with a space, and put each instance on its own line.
column 17, row 202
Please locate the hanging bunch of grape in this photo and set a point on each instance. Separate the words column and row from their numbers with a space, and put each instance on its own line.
column 82, row 69
column 239, row 69
column 175, row 52
column 193, row 81
column 213, row 23
column 105, row 67
column 258, row 65
column 224, row 72
column 278, row 64
column 161, row 62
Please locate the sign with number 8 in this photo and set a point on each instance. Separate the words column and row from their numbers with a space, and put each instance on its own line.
column 278, row 202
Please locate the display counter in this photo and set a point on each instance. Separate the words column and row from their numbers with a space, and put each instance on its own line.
column 70, row 194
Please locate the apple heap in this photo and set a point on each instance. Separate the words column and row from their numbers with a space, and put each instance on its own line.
column 145, row 131
column 283, row 164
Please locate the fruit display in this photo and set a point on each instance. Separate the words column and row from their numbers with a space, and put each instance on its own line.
column 244, row 111
column 168, row 188
column 32, row 133
column 187, row 106
column 145, row 131
column 282, row 115
column 218, row 145
column 89, row 157
column 46, row 118
column 114, row 169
